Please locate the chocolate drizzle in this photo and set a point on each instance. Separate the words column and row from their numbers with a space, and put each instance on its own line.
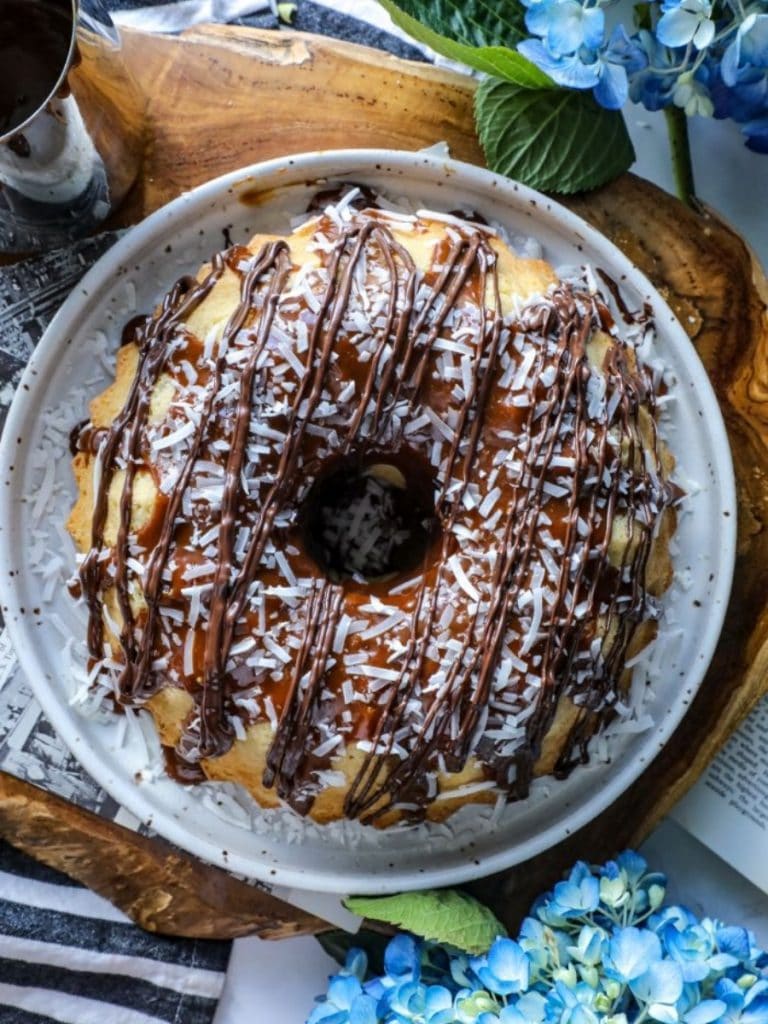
column 545, row 609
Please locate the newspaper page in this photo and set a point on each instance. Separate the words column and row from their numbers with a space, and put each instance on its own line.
column 30, row 749
column 727, row 809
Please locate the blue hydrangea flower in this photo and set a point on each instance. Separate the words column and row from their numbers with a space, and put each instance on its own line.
column 565, row 26
column 692, row 949
column 598, row 949
column 674, row 916
column 590, row 946
column 570, row 46
column 733, row 942
column 505, row 969
column 545, row 946
column 707, row 57
column 406, row 1000
column 748, row 1006
column 578, row 895
column 345, row 998
column 739, row 81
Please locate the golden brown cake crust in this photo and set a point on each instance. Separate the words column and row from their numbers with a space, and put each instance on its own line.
column 322, row 782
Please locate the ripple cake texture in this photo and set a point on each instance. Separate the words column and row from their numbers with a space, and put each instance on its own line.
column 374, row 516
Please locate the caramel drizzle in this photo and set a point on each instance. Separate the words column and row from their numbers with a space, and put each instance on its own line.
column 288, row 749
column 454, row 720
column 364, row 792
column 153, row 339
column 378, row 786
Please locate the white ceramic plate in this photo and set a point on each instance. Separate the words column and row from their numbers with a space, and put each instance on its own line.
column 36, row 490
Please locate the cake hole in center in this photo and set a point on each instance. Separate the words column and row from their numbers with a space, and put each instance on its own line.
column 371, row 520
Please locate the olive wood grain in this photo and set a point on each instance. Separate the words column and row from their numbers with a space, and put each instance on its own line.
column 220, row 98
column 158, row 886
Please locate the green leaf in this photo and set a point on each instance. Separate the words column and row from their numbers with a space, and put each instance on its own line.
column 442, row 915
column 474, row 22
column 337, row 944
column 555, row 140
column 286, row 12
column 499, row 61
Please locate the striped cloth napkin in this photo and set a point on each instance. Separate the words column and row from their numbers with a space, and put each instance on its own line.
column 69, row 956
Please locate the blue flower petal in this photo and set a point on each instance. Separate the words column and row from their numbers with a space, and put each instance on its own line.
column 342, row 990
column 633, row 865
column 663, row 1013
column 704, row 34
column 402, row 957
column 565, row 32
column 578, row 895
column 661, row 983
column 363, row 1011
column 594, row 27
column 631, row 952
column 357, row 963
column 570, row 72
column 612, row 90
column 327, row 1014
column 437, row 999
column 505, row 969
column 729, row 993
column 460, row 970
column 677, row 27
column 377, row 988
column 756, row 1010
column 754, row 39
column 538, row 16
column 565, row 26
column 705, row 1012
column 734, row 941
column 508, row 962
column 624, row 50
column 729, row 64
column 511, row 1014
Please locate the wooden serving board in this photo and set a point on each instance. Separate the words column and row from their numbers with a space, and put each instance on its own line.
column 220, row 98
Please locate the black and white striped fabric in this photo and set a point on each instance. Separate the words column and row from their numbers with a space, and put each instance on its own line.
column 67, row 955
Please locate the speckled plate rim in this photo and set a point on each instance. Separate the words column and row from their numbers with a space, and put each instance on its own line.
column 62, row 330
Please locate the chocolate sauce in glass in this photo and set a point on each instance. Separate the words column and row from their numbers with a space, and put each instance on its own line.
column 613, row 472
column 35, row 39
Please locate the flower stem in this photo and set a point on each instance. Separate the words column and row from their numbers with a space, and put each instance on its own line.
column 680, row 150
